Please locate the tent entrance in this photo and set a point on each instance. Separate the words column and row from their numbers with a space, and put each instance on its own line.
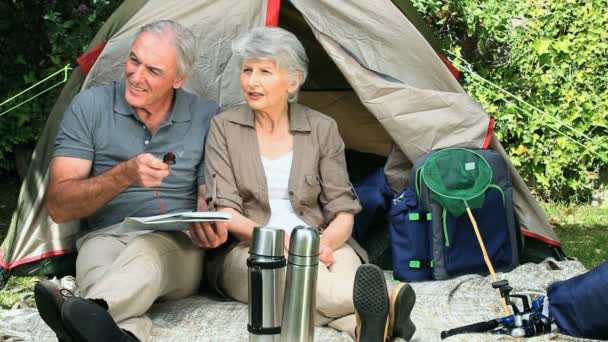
column 328, row 91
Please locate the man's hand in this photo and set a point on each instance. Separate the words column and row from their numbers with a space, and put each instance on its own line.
column 209, row 235
column 326, row 255
column 73, row 194
column 146, row 170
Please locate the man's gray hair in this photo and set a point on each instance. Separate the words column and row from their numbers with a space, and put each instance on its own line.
column 278, row 45
column 181, row 38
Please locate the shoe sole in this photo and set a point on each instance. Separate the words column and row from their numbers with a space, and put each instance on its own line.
column 402, row 302
column 370, row 298
column 49, row 312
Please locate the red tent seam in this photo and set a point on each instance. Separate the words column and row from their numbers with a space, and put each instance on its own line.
column 542, row 238
column 16, row 263
column 89, row 58
column 272, row 12
column 488, row 140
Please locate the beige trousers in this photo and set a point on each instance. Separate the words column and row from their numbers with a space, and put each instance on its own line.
column 334, row 295
column 131, row 271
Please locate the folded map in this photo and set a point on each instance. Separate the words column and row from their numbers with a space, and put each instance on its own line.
column 172, row 221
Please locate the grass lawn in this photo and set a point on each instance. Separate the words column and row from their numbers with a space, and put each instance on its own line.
column 583, row 231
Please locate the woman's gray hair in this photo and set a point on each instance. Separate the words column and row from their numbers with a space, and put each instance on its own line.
column 182, row 39
column 278, row 45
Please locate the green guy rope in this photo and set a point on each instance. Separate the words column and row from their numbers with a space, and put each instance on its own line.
column 65, row 70
column 543, row 113
column 504, row 91
column 576, row 142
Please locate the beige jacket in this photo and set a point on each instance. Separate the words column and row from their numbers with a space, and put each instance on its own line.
column 319, row 186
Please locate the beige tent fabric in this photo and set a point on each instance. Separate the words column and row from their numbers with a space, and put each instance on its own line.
column 418, row 120
column 425, row 112
column 215, row 74
column 382, row 39
column 359, row 129
column 530, row 215
column 44, row 235
column 397, row 169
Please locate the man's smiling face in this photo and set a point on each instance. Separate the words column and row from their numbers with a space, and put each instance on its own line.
column 151, row 72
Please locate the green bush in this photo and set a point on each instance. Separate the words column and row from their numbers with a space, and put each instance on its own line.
column 39, row 38
column 554, row 56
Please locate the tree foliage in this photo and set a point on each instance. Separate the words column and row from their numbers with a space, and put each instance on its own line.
column 39, row 37
column 552, row 55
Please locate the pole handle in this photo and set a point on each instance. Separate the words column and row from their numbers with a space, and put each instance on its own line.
column 471, row 328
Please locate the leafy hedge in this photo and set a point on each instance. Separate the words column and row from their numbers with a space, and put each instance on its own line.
column 39, row 38
column 553, row 55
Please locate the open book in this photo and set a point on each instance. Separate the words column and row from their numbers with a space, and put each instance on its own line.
column 172, row 221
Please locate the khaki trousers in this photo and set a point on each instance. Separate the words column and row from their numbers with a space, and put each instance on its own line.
column 334, row 285
column 131, row 271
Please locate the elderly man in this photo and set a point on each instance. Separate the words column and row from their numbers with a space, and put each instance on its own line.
column 107, row 166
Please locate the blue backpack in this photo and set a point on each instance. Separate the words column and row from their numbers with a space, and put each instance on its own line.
column 429, row 243
column 579, row 305
column 370, row 229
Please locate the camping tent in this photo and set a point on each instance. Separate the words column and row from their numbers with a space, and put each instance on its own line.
column 373, row 68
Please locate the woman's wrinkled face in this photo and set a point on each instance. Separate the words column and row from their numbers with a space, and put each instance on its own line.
column 265, row 86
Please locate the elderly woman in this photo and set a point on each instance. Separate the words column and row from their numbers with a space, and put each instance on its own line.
column 273, row 162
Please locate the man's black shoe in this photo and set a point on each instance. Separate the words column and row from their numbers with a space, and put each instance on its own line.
column 88, row 321
column 49, row 302
column 370, row 297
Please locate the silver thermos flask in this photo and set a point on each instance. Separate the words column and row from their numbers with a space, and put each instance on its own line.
column 300, row 286
column 266, row 266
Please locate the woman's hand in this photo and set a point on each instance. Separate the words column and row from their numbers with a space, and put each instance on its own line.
column 208, row 234
column 326, row 255
column 239, row 226
column 334, row 236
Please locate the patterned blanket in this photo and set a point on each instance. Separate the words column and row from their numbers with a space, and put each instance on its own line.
column 440, row 305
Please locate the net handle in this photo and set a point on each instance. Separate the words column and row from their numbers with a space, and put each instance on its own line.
column 486, row 258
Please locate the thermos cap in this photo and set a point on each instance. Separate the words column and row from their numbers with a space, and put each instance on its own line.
column 268, row 241
column 304, row 241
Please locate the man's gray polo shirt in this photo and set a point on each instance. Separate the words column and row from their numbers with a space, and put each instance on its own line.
column 102, row 127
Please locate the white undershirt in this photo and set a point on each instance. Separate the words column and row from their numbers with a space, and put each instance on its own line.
column 277, row 173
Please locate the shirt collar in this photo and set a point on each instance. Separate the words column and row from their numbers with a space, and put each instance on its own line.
column 298, row 118
column 179, row 113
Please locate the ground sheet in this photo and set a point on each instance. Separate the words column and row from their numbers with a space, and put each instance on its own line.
column 440, row 305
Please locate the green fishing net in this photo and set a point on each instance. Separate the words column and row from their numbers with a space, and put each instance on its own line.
column 457, row 178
